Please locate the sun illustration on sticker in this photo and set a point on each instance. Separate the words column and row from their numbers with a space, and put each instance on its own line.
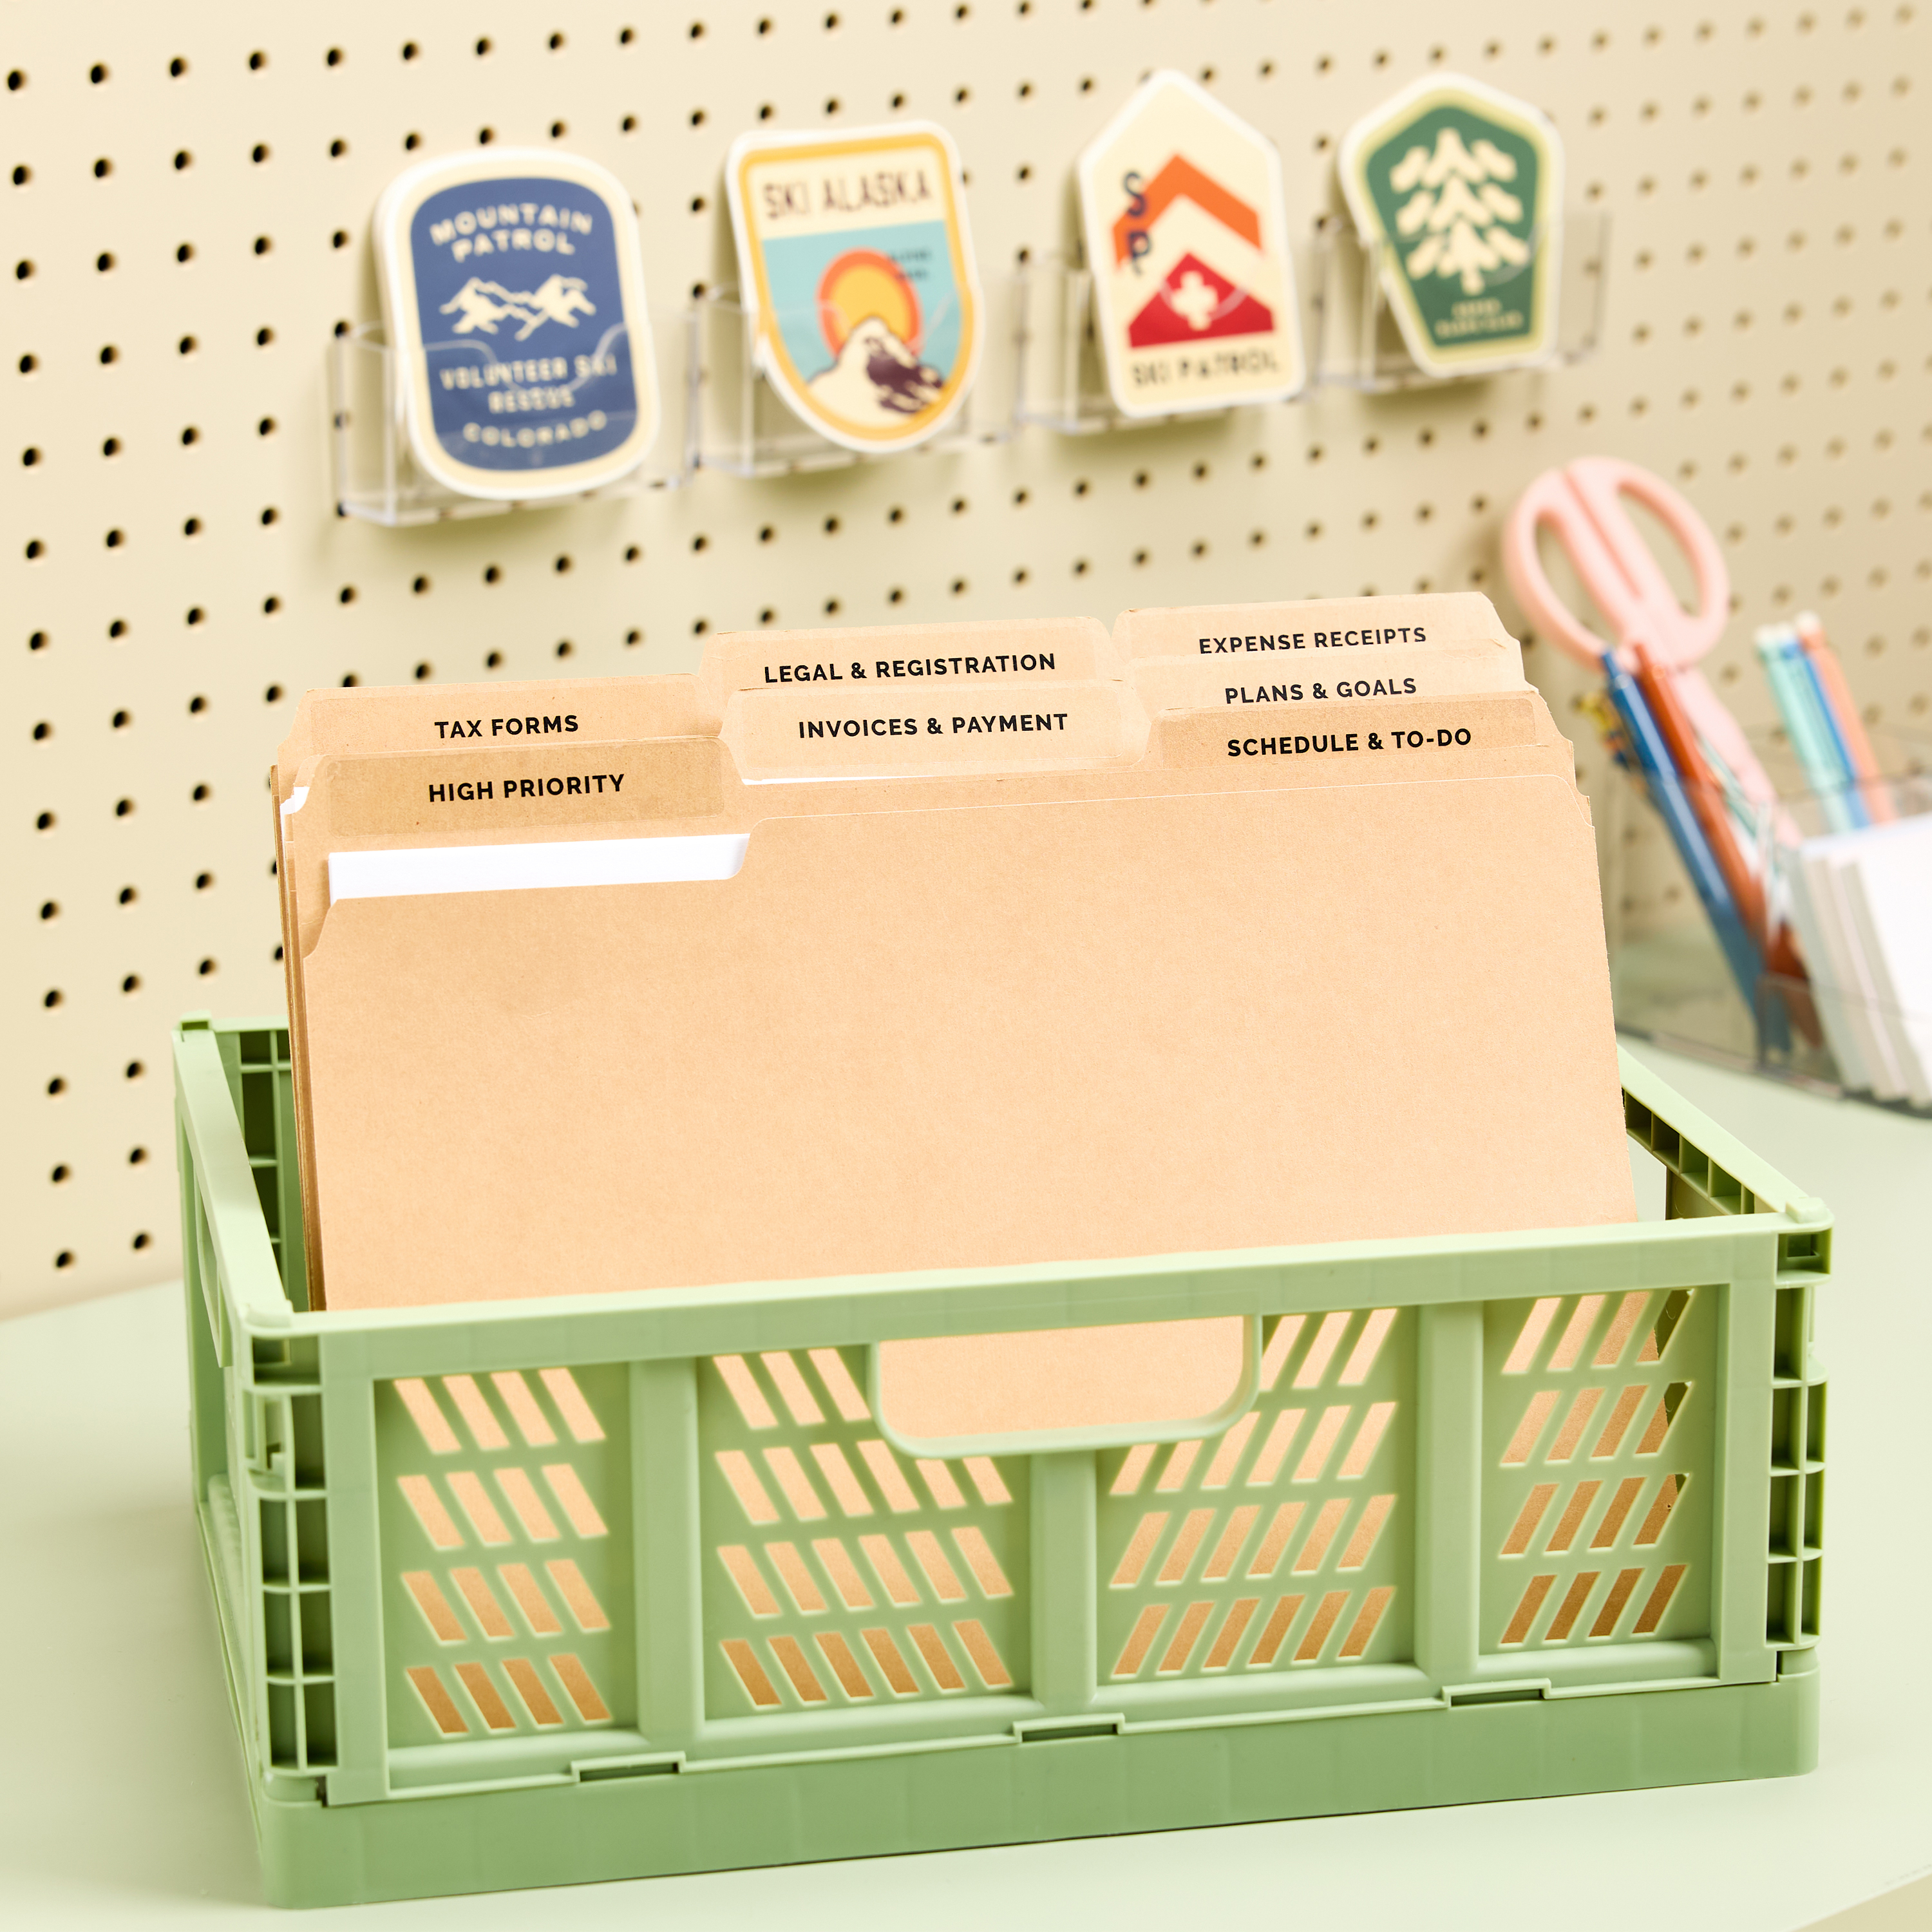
column 870, row 317
column 861, row 282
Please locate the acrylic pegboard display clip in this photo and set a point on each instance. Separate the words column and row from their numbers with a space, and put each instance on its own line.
column 375, row 479
column 1361, row 343
column 538, row 1592
column 738, row 423
column 1060, row 381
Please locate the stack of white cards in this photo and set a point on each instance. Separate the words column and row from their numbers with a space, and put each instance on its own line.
column 1862, row 901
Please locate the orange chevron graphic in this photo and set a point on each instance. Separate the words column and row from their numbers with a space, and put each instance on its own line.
column 1180, row 180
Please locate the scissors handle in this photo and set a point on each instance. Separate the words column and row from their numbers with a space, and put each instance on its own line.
column 1582, row 506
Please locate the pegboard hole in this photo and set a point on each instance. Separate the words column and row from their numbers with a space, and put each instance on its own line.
column 190, row 436
column 35, row 548
column 412, row 142
column 207, row 969
column 263, row 243
column 187, row 346
column 270, row 605
column 562, row 566
column 98, row 73
column 421, row 586
column 266, row 426
column 64, row 1259
column 632, row 638
column 56, row 1087
column 37, row 641
column 491, row 575
column 410, row 50
column 28, row 364
column 42, row 731
column 494, row 662
column 122, row 719
column 126, row 896
column 61, row 1175
column 564, row 648
column 52, row 997
column 558, row 130
column 273, row 695
column 183, row 160
column 346, row 595
column 201, row 794
column 257, row 61
column 115, row 539
column 196, row 615
column 103, row 168
column 258, row 154
column 16, row 80
column 335, row 57
column 45, row 822
column 23, row 271
column 136, row 1157
column 424, row 672
column 50, row 910
column 632, row 552
column 202, row 880
column 556, row 44
column 483, row 48
column 142, row 1241
column 132, row 984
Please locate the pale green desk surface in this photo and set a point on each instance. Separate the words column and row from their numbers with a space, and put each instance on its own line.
column 121, row 1795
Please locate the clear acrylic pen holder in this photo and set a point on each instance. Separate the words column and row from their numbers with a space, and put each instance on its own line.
column 375, row 475
column 1670, row 982
column 1360, row 342
column 740, row 424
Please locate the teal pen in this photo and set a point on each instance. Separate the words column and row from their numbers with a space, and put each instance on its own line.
column 1778, row 649
column 1826, row 713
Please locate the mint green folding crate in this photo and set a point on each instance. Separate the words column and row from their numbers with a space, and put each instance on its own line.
column 526, row 1593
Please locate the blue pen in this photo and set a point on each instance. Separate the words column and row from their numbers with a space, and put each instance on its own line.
column 1667, row 792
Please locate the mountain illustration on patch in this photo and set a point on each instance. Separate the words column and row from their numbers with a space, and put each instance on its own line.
column 479, row 305
column 1192, row 301
column 875, row 379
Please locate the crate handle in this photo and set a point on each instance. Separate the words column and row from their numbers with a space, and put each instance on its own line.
column 1035, row 1391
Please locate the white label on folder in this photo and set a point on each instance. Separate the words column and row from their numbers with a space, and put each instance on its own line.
column 417, row 870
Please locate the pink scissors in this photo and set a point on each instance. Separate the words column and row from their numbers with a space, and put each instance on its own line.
column 1582, row 506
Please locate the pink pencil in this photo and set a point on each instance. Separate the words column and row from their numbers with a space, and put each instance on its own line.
column 1872, row 788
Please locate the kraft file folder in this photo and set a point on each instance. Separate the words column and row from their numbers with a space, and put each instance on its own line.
column 1082, row 889
column 1271, row 637
column 907, row 657
column 972, row 1036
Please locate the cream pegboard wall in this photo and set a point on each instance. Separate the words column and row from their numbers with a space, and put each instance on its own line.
column 189, row 218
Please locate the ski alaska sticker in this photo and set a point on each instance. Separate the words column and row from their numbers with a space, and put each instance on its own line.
column 855, row 262
column 513, row 299
column 1181, row 209
column 1461, row 189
